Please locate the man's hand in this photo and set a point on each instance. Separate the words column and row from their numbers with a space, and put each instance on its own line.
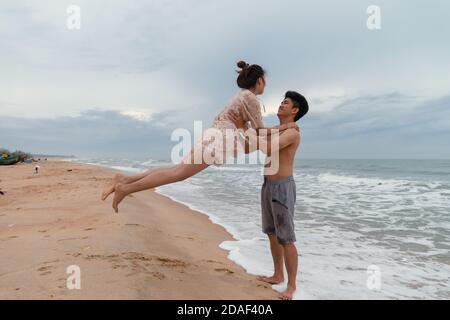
column 238, row 120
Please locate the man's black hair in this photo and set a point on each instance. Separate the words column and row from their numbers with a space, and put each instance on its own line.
column 299, row 102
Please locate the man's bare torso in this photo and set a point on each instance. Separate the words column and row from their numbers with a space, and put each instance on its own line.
column 286, row 161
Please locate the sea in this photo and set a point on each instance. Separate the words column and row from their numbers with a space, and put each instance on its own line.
column 366, row 229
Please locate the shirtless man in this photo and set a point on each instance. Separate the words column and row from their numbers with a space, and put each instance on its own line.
column 278, row 194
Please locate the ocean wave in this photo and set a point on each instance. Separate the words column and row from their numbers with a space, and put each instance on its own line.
column 355, row 181
column 236, row 168
column 153, row 163
column 126, row 169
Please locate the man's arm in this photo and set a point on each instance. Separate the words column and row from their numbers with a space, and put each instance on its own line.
column 275, row 143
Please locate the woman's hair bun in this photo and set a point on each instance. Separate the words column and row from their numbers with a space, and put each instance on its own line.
column 248, row 74
column 242, row 64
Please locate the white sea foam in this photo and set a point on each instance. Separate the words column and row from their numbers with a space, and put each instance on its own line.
column 149, row 162
column 127, row 169
column 236, row 168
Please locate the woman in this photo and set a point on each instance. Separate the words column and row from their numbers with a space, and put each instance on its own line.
column 251, row 80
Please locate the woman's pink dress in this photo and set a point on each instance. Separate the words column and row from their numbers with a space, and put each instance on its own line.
column 219, row 142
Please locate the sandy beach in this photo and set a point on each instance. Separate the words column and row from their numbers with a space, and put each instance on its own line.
column 154, row 248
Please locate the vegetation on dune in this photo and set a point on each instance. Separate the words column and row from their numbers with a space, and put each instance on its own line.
column 21, row 155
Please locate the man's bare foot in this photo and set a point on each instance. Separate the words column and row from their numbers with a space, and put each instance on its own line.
column 118, row 178
column 272, row 279
column 288, row 293
column 119, row 195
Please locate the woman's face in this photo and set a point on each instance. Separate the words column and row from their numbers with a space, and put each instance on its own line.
column 260, row 85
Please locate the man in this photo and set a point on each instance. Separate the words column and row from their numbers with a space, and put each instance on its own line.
column 278, row 194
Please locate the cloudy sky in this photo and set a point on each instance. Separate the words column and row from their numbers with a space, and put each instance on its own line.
column 137, row 70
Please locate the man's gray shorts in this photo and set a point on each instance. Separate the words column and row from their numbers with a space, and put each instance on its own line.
column 277, row 203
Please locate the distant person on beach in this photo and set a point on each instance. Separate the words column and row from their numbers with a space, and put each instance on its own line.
column 251, row 80
column 278, row 194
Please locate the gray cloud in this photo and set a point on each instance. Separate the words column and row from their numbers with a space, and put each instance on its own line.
column 379, row 127
column 391, row 112
column 364, row 127
column 174, row 60
column 93, row 133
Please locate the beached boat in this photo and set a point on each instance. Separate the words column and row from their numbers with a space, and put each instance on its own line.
column 8, row 160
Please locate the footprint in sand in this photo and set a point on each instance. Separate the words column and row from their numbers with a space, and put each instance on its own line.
column 172, row 262
column 69, row 239
column 138, row 263
column 186, row 237
column 224, row 270
column 45, row 270
column 158, row 275
column 136, row 256
column 212, row 261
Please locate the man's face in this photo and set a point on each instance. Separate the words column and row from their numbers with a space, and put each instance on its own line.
column 287, row 109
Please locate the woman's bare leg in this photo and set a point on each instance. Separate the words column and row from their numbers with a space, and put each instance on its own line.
column 155, row 179
column 121, row 178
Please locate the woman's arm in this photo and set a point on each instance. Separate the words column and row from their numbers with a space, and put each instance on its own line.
column 260, row 131
column 271, row 144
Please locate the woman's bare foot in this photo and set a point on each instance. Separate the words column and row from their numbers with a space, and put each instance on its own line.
column 119, row 195
column 272, row 279
column 118, row 178
column 288, row 293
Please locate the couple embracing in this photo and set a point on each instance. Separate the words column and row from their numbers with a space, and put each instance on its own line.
column 241, row 115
